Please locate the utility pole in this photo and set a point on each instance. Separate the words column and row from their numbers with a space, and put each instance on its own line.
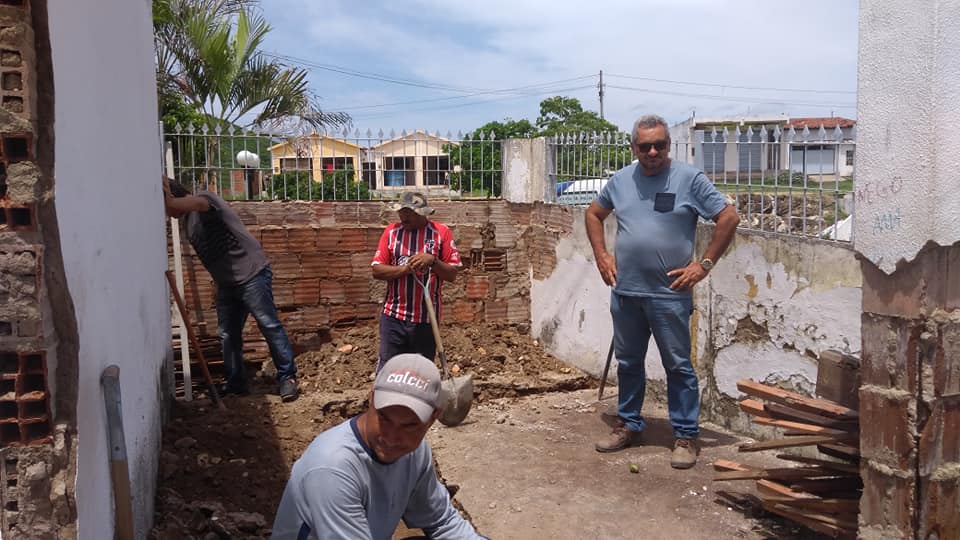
column 600, row 86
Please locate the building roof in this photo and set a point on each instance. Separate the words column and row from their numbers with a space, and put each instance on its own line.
column 829, row 122
column 315, row 136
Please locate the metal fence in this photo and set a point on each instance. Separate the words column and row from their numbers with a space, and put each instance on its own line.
column 780, row 179
column 339, row 166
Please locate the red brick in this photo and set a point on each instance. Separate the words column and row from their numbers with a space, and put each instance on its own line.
column 285, row 265
column 297, row 213
column 357, row 290
column 351, row 240
column 324, row 265
column 938, row 513
column 372, row 239
column 332, row 292
column 368, row 310
column 270, row 213
column 467, row 238
column 521, row 213
column 302, row 239
column 889, row 353
column 343, row 315
column 283, row 293
column 889, row 428
column 346, row 213
column 361, row 263
column 323, row 214
column 914, row 289
column 478, row 287
column 307, row 318
column 495, row 311
column 370, row 213
column 888, row 502
column 327, row 238
column 274, row 240
column 466, row 311
column 952, row 300
column 946, row 371
column 518, row 310
column 306, row 292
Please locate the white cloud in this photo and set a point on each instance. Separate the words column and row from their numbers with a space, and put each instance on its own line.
column 504, row 44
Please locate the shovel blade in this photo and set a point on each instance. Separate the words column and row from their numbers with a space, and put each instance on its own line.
column 457, row 395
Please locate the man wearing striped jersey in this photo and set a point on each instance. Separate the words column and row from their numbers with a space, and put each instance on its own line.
column 413, row 252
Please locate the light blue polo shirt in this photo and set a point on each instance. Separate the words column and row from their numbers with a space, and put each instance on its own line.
column 656, row 224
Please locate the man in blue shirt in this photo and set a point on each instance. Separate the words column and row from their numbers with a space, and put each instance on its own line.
column 652, row 272
column 358, row 479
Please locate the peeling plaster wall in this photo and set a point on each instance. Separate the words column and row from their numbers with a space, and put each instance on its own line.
column 112, row 230
column 766, row 312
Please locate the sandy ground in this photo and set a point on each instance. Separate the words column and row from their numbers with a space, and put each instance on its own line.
column 522, row 465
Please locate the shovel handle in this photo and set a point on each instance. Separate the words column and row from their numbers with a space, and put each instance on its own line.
column 432, row 315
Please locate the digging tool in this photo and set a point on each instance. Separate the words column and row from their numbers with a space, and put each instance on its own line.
column 456, row 392
column 606, row 370
column 119, row 470
column 214, row 395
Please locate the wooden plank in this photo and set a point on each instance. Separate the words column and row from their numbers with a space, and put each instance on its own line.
column 799, row 427
column 828, row 485
column 829, row 506
column 838, row 378
column 727, row 465
column 754, row 407
column 837, row 466
column 769, row 488
column 793, row 399
column 807, row 521
column 791, row 442
column 780, row 473
column 840, row 451
column 784, row 412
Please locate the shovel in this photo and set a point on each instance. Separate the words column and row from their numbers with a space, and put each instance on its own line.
column 456, row 393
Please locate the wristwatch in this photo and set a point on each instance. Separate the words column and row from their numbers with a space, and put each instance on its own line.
column 706, row 263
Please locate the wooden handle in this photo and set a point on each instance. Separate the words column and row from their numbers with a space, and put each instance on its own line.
column 432, row 315
column 193, row 340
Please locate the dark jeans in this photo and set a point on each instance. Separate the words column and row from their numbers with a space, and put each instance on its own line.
column 398, row 337
column 234, row 303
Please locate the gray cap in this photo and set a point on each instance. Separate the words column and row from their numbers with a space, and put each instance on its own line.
column 413, row 200
column 409, row 380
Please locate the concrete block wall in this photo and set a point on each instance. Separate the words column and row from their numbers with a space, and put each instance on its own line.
column 320, row 253
column 910, row 398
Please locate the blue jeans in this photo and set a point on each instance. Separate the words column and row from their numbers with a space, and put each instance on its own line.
column 397, row 337
column 635, row 319
column 234, row 303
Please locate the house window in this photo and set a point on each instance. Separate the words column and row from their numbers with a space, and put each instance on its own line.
column 296, row 164
column 436, row 170
column 849, row 158
column 370, row 174
column 334, row 164
column 399, row 171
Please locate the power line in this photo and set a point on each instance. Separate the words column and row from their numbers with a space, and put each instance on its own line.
column 690, row 83
column 769, row 101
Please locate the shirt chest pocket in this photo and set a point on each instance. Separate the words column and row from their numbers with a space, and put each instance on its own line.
column 664, row 202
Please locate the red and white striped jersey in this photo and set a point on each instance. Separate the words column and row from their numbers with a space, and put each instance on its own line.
column 404, row 298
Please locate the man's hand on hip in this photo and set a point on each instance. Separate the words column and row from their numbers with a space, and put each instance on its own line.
column 687, row 277
column 607, row 265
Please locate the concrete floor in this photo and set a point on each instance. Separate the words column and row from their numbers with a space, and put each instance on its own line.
column 526, row 468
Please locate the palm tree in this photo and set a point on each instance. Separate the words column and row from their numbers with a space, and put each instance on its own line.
column 208, row 52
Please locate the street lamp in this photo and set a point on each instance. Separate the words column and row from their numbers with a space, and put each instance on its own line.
column 250, row 162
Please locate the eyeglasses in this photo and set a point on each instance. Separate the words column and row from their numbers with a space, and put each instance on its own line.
column 659, row 145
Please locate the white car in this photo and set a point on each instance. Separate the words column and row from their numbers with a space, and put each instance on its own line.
column 582, row 191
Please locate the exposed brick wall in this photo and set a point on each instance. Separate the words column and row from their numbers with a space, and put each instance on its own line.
column 910, row 398
column 320, row 253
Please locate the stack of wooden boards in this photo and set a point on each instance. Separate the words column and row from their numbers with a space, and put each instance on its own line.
column 823, row 492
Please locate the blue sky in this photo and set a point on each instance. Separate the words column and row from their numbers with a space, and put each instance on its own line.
column 449, row 65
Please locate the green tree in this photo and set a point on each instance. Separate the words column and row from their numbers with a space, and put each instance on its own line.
column 561, row 115
column 477, row 161
column 338, row 185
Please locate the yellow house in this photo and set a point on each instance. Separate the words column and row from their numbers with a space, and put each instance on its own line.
column 415, row 159
column 317, row 154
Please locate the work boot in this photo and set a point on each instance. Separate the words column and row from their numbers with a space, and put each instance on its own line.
column 684, row 454
column 611, row 419
column 226, row 389
column 620, row 438
column 289, row 389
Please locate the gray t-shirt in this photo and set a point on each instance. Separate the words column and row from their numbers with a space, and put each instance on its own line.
column 338, row 489
column 225, row 247
column 656, row 224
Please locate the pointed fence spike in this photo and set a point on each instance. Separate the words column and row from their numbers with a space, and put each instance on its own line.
column 190, row 128
column 459, row 134
column 449, row 135
column 805, row 134
column 776, row 134
column 483, row 135
column 380, row 133
column 493, row 136
column 822, row 133
column 713, row 134
column 393, row 133
column 837, row 133
column 177, row 128
column 725, row 135
column 205, row 129
column 369, row 133
column 217, row 129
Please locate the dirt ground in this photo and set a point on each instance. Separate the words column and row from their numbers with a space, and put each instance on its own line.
column 222, row 472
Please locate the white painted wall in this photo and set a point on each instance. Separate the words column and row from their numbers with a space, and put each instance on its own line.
column 806, row 293
column 907, row 157
column 109, row 207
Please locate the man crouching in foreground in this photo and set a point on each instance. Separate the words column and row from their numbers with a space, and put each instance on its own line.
column 358, row 479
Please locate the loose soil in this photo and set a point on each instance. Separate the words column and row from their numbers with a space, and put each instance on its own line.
column 219, row 466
